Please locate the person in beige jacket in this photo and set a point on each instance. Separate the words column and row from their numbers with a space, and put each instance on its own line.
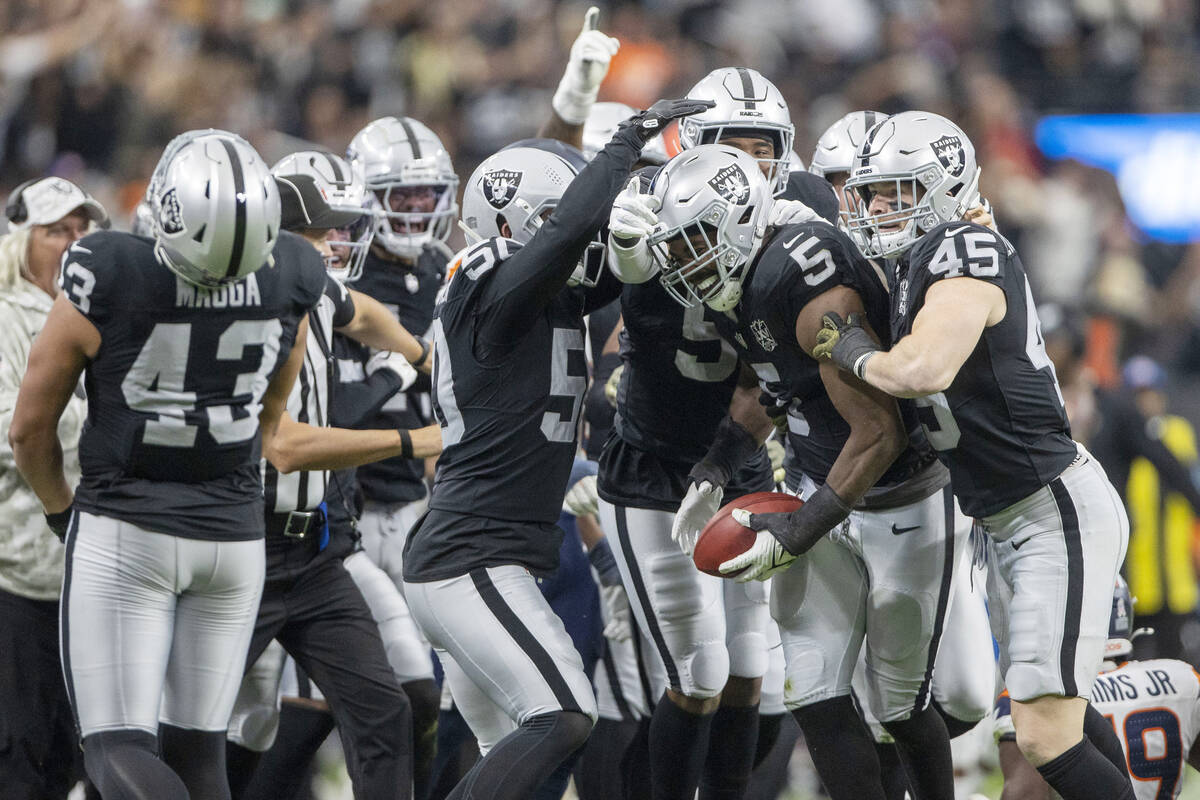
column 37, row 730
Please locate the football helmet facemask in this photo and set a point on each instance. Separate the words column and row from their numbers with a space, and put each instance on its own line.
column 411, row 181
column 925, row 158
column 715, row 203
column 747, row 104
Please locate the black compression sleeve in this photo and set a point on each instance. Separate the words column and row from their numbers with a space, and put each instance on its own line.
column 819, row 515
column 731, row 448
column 530, row 279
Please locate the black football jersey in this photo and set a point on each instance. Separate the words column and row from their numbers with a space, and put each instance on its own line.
column 675, row 389
column 1001, row 427
column 799, row 263
column 509, row 423
column 409, row 292
column 171, row 440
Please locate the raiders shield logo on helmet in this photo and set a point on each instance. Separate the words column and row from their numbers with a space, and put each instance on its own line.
column 731, row 183
column 500, row 187
column 170, row 218
column 949, row 151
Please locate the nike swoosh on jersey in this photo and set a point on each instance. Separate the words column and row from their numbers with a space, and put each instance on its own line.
column 897, row 531
column 788, row 244
column 78, row 248
column 955, row 231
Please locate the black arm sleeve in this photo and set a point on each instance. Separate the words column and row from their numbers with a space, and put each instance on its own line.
column 356, row 402
column 530, row 279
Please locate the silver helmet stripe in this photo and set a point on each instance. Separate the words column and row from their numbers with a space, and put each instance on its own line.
column 239, row 210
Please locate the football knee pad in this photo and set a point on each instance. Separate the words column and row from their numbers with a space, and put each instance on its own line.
column 748, row 654
column 899, row 621
column 704, row 670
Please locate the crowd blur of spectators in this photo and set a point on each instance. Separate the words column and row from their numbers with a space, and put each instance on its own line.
column 92, row 90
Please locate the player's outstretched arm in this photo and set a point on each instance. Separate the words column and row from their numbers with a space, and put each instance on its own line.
column 375, row 326
column 587, row 65
column 532, row 276
column 298, row 445
column 944, row 335
column 56, row 360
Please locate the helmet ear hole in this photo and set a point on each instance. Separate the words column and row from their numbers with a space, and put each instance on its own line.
column 747, row 215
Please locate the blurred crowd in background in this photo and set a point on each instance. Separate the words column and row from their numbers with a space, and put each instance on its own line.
column 92, row 89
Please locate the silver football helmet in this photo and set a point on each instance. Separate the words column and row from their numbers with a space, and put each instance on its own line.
column 522, row 186
column 602, row 123
column 931, row 164
column 214, row 208
column 409, row 174
column 344, row 190
column 715, row 204
column 834, row 156
column 840, row 141
column 746, row 104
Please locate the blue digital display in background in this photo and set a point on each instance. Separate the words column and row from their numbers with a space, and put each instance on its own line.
column 1154, row 157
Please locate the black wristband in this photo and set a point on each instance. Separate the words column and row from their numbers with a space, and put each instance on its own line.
column 59, row 522
column 406, row 449
column 425, row 348
column 820, row 514
column 732, row 446
column 601, row 557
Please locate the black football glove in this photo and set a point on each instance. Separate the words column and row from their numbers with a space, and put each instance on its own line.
column 846, row 343
column 651, row 122
column 59, row 522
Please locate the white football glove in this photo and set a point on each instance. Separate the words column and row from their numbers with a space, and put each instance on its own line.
column 764, row 558
column 619, row 623
column 633, row 214
column 789, row 212
column 699, row 505
column 395, row 362
column 582, row 498
column 586, row 67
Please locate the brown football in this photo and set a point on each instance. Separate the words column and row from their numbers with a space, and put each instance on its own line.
column 722, row 538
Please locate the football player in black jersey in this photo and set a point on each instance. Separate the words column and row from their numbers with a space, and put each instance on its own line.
column 964, row 678
column 968, row 347
column 509, row 376
column 864, row 483
column 187, row 341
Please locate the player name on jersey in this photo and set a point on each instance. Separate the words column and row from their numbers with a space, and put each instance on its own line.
column 1117, row 686
column 243, row 294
